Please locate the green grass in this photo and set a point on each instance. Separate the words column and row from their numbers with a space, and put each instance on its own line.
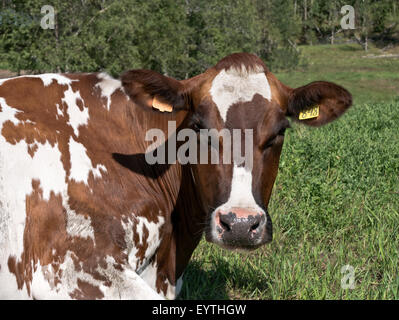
column 335, row 203
column 369, row 80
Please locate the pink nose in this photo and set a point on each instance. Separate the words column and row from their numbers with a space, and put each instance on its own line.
column 240, row 226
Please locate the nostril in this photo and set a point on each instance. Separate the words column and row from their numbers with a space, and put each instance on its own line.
column 225, row 221
column 255, row 226
column 224, row 225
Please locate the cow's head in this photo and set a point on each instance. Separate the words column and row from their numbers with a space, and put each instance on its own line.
column 238, row 93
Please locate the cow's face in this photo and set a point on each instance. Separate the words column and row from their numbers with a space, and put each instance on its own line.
column 239, row 93
column 236, row 193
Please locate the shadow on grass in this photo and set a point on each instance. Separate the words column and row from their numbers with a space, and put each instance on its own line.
column 202, row 284
column 222, row 280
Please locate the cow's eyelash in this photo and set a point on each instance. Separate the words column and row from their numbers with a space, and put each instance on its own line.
column 196, row 126
column 268, row 143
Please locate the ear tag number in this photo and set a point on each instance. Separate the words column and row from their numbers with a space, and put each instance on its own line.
column 312, row 112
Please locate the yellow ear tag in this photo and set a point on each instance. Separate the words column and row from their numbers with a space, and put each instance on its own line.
column 312, row 112
column 161, row 106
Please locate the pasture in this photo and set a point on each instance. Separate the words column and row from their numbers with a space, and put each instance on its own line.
column 335, row 201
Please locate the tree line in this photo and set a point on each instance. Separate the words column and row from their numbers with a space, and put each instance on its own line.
column 179, row 38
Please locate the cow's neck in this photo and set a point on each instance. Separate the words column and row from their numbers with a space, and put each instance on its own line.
column 173, row 184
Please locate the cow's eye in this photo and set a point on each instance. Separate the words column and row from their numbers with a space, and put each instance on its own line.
column 270, row 142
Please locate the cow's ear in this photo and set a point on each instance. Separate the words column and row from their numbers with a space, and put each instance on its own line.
column 153, row 90
column 318, row 103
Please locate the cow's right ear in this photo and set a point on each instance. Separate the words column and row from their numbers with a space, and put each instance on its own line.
column 153, row 90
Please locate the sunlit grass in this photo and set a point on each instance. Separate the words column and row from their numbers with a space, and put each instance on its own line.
column 368, row 79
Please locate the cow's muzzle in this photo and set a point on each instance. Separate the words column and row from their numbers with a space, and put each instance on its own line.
column 242, row 228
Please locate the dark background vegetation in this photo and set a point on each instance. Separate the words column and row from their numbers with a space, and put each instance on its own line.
column 180, row 38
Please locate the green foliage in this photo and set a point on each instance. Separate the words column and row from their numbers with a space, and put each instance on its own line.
column 177, row 38
column 224, row 27
column 98, row 35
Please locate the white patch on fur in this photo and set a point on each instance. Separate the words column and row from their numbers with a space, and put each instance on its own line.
column 77, row 117
column 59, row 111
column 153, row 240
column 16, row 179
column 238, row 85
column 4, row 80
column 81, row 164
column 108, row 86
column 125, row 284
column 77, row 224
column 47, row 78
column 9, row 287
column 241, row 190
column 43, row 284
column 17, row 170
column 147, row 268
column 173, row 291
column 149, row 275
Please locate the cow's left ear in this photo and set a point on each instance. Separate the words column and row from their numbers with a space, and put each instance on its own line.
column 153, row 90
column 318, row 103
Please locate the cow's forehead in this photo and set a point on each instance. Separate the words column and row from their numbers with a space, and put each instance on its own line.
column 238, row 84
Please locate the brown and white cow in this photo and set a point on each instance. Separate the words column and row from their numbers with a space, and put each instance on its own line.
column 84, row 216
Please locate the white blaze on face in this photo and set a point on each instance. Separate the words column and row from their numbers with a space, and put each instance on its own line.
column 241, row 190
column 108, row 86
column 228, row 88
column 81, row 164
column 238, row 85
column 241, row 195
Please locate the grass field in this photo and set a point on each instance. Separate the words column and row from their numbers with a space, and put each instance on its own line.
column 335, row 201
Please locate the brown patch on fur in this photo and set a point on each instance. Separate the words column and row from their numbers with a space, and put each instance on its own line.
column 236, row 60
column 86, row 291
column 15, row 269
column 280, row 92
column 32, row 149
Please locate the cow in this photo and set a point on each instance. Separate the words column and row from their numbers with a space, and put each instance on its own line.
column 83, row 215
